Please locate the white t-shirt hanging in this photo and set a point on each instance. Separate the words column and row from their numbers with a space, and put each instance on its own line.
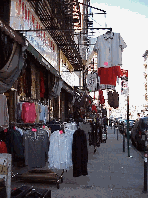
column 109, row 48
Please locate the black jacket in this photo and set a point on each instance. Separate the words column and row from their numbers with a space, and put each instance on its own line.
column 79, row 153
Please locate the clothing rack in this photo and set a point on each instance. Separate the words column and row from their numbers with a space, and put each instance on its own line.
column 34, row 100
column 38, row 174
column 28, row 124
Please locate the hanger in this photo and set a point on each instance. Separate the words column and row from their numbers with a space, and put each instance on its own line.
column 108, row 32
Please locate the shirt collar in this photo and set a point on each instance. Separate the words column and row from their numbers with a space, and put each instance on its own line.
column 108, row 35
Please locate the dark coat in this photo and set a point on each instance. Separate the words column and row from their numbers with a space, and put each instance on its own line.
column 79, row 153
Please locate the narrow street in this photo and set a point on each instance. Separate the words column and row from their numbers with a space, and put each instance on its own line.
column 68, row 70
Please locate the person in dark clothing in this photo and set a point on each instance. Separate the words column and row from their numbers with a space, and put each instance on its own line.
column 79, row 153
column 105, row 122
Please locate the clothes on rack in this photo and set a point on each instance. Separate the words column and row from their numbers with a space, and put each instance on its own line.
column 19, row 111
column 20, row 130
column 43, row 116
column 4, row 116
column 36, row 143
column 60, row 151
column 42, row 86
column 3, row 147
column 38, row 111
column 54, row 125
column 79, row 153
column 14, row 143
column 28, row 112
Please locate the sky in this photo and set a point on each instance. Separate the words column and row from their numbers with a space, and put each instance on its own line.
column 130, row 19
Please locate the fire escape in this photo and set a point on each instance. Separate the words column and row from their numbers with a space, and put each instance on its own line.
column 61, row 19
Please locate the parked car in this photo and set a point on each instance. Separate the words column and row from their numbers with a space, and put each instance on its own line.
column 139, row 133
column 131, row 124
column 121, row 125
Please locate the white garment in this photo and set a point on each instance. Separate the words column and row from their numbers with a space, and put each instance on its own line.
column 109, row 50
column 60, row 151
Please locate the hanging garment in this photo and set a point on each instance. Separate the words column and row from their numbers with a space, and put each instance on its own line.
column 101, row 97
column 60, row 151
column 109, row 50
column 14, row 142
column 28, row 112
column 108, row 76
column 46, row 114
column 79, row 153
column 37, row 107
column 42, row 115
column 4, row 116
column 94, row 108
column 11, row 71
column 36, row 143
column 113, row 99
column 19, row 111
column 42, row 86
column 33, row 87
column 3, row 147
column 110, row 99
column 20, row 130
column 116, row 100
column 54, row 126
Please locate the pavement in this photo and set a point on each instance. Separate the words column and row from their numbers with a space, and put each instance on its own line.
column 111, row 174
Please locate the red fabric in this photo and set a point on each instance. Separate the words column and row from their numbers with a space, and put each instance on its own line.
column 94, row 108
column 100, row 92
column 42, row 87
column 3, row 148
column 124, row 72
column 28, row 112
column 101, row 97
column 102, row 100
column 109, row 75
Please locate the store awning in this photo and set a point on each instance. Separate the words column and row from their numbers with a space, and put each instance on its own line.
column 68, row 88
column 42, row 60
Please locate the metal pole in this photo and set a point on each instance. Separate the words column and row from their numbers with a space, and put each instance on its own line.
column 123, row 139
column 145, row 167
column 128, row 125
column 117, row 133
column 114, row 128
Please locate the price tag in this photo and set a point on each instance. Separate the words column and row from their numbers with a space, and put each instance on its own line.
column 5, row 130
column 61, row 132
column 34, row 130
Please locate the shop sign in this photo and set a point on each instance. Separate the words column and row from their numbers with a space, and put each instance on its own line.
column 23, row 17
column 124, row 88
column 92, row 81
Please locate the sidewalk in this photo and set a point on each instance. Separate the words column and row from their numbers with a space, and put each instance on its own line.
column 111, row 174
